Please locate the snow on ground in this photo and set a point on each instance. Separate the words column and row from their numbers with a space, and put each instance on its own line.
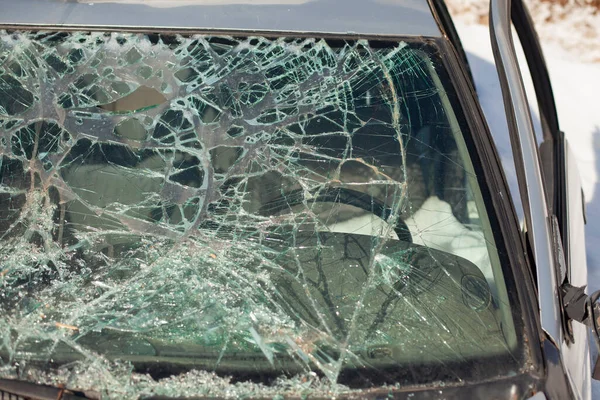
column 576, row 87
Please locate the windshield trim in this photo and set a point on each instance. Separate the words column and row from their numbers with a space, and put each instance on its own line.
column 327, row 35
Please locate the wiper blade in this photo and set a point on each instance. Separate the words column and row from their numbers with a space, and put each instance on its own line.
column 21, row 390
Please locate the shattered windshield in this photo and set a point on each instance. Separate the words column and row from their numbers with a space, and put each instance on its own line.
column 186, row 215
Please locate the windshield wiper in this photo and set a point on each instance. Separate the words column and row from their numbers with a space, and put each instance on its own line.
column 28, row 390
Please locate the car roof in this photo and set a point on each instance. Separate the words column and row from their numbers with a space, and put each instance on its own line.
column 336, row 17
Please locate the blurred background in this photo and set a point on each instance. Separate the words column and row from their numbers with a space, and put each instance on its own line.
column 573, row 25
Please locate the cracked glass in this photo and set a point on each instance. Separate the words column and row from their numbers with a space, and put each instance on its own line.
column 241, row 216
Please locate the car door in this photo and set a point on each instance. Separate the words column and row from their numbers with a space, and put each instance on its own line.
column 563, row 208
column 564, row 195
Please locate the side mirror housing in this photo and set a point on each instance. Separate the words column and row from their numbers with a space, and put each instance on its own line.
column 586, row 310
column 593, row 321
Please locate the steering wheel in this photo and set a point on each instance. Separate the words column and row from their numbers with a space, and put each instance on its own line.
column 361, row 200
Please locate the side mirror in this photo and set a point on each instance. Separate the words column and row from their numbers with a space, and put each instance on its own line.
column 593, row 321
column 584, row 309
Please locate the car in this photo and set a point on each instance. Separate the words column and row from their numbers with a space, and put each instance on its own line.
column 281, row 198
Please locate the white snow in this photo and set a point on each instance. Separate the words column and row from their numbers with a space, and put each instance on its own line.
column 576, row 87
